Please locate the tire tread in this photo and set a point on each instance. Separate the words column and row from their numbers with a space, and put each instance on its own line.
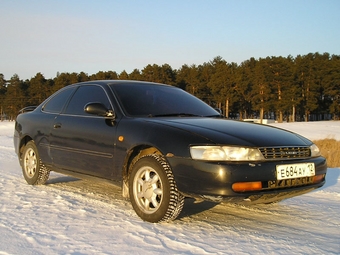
column 176, row 199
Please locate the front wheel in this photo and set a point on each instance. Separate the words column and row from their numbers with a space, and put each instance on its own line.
column 34, row 171
column 153, row 191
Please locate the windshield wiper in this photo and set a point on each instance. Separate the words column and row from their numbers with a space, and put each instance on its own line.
column 215, row 116
column 175, row 115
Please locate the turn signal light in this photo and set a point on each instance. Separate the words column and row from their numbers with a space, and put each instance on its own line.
column 246, row 186
column 318, row 178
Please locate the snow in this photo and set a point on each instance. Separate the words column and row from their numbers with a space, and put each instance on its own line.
column 71, row 216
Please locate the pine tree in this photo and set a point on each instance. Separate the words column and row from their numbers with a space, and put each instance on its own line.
column 3, row 90
column 15, row 99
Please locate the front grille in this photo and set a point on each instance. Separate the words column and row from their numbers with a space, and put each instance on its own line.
column 285, row 152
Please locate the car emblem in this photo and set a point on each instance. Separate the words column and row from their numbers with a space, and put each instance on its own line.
column 289, row 153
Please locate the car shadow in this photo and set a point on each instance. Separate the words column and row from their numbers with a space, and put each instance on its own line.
column 332, row 177
column 62, row 179
column 191, row 207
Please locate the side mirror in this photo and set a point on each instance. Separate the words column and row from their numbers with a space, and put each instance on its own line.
column 98, row 109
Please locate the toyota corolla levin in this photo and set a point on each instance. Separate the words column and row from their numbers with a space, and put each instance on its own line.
column 161, row 145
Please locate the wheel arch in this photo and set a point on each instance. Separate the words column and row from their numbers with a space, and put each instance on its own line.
column 24, row 140
column 132, row 156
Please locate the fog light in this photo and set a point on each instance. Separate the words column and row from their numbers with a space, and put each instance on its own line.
column 246, row 186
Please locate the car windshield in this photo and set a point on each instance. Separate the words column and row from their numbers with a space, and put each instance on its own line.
column 150, row 100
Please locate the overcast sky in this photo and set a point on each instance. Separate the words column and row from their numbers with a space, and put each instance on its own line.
column 90, row 36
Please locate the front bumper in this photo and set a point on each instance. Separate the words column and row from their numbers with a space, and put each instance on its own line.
column 213, row 180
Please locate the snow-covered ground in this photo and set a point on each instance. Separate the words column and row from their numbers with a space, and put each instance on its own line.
column 71, row 216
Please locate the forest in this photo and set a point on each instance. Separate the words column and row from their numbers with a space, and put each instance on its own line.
column 301, row 88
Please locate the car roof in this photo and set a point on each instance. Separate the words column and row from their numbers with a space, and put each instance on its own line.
column 112, row 82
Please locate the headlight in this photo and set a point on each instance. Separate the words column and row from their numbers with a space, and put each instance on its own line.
column 314, row 151
column 225, row 153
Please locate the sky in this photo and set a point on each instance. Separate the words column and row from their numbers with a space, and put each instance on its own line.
column 45, row 36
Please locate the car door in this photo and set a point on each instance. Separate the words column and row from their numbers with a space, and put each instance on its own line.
column 82, row 142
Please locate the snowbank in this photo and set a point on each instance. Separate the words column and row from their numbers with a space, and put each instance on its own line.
column 71, row 216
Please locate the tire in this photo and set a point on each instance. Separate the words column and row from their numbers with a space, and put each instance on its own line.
column 34, row 171
column 153, row 191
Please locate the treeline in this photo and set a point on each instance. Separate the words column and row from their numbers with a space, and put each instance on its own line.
column 283, row 88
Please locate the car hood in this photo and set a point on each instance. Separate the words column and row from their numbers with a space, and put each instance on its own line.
column 222, row 131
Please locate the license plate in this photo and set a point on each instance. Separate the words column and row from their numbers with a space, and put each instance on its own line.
column 295, row 171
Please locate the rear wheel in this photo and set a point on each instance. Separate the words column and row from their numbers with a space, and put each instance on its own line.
column 34, row 171
column 153, row 191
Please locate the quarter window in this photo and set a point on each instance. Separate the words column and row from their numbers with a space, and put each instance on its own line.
column 57, row 103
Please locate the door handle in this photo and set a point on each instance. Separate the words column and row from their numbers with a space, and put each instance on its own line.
column 57, row 125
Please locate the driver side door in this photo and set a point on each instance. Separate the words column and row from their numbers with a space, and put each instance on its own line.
column 81, row 142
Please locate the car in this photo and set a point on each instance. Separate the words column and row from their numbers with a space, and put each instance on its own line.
column 161, row 145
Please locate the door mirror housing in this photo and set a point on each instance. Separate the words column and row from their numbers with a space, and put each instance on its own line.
column 98, row 109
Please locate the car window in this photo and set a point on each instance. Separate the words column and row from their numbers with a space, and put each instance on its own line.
column 153, row 100
column 57, row 102
column 85, row 95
